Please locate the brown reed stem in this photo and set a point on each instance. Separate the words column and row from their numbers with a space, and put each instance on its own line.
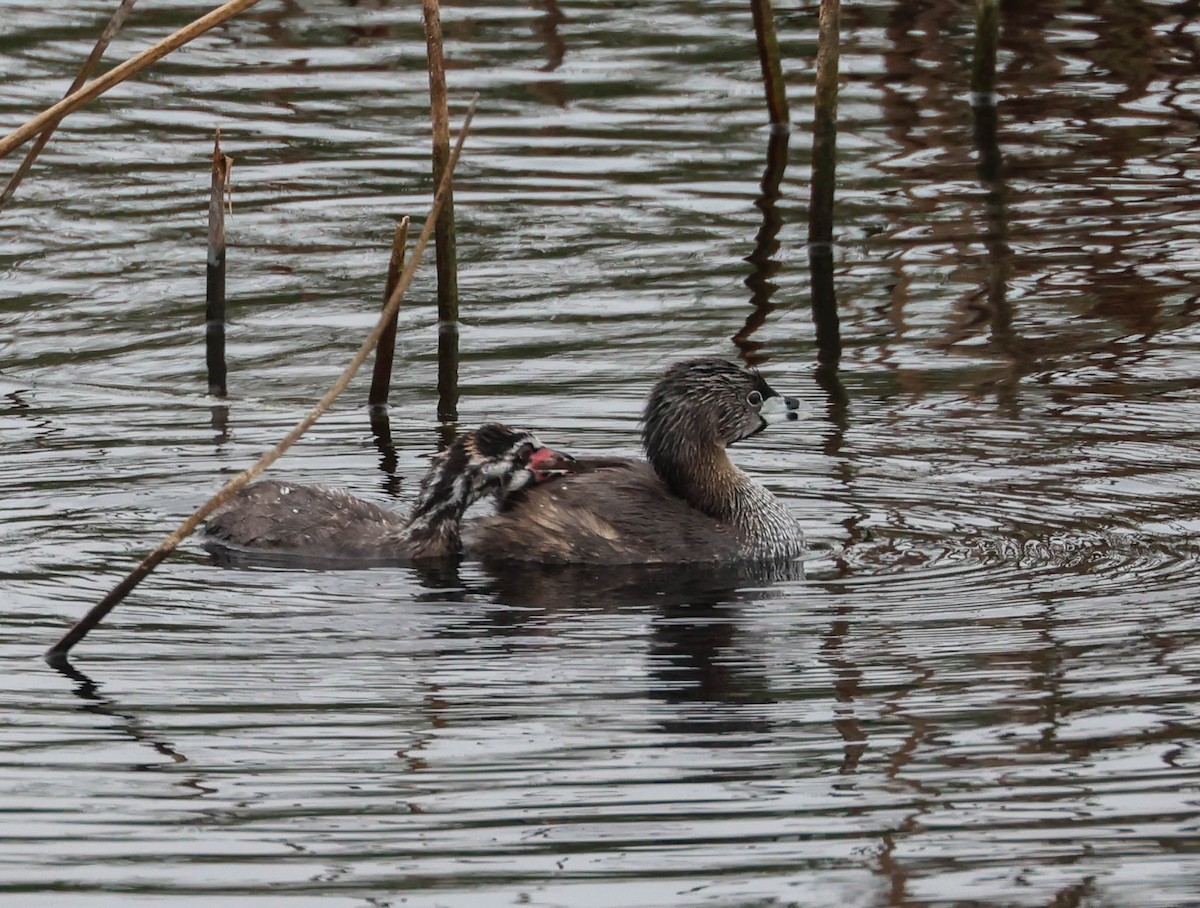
column 820, row 225
column 447, row 265
column 118, row 74
column 214, row 311
column 381, row 378
column 768, row 56
column 824, row 179
column 59, row 651
column 447, row 408
column 114, row 25
column 983, row 66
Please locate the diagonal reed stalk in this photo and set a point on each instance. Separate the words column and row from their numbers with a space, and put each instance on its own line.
column 118, row 74
column 58, row 652
column 114, row 25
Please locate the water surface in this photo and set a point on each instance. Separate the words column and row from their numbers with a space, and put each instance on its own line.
column 983, row 692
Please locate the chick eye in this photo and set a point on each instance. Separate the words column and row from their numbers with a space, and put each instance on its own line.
column 754, row 399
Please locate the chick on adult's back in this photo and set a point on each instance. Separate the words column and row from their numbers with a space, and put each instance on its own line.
column 330, row 524
column 686, row 503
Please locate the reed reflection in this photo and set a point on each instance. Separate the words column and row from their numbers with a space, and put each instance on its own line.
column 996, row 232
column 381, row 433
column 822, row 192
column 545, row 28
column 764, row 262
column 698, row 653
column 131, row 724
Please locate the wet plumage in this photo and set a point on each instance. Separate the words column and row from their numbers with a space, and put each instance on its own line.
column 309, row 520
column 686, row 503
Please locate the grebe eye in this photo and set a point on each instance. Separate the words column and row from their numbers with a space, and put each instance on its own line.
column 754, row 399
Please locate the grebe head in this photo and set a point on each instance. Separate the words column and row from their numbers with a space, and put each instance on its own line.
column 710, row 401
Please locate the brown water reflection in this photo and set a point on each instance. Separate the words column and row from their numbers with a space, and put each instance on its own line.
column 983, row 691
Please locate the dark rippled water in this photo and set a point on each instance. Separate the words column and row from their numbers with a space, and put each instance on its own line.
column 984, row 693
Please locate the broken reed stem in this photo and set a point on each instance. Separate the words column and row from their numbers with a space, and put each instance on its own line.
column 381, row 378
column 118, row 74
column 106, row 36
column 214, row 314
column 447, row 265
column 59, row 651
column 768, row 55
column 820, row 223
column 983, row 67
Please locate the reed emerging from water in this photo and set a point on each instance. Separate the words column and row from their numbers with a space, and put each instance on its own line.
column 772, row 68
column 214, row 310
column 62, row 648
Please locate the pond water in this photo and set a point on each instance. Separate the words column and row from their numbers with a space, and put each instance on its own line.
column 984, row 692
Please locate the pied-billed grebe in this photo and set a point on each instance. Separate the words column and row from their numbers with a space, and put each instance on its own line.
column 687, row 504
column 279, row 517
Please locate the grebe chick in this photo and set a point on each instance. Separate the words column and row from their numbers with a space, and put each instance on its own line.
column 285, row 518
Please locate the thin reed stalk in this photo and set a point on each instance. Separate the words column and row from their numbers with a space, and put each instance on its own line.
column 768, row 56
column 447, row 264
column 447, row 410
column 214, row 314
column 119, row 74
column 114, row 25
column 824, row 179
column 820, row 227
column 59, row 651
column 381, row 378
column 987, row 41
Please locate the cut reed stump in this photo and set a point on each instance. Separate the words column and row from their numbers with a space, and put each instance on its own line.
column 214, row 315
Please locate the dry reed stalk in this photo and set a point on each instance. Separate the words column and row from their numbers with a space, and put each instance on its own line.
column 114, row 25
column 768, row 55
column 118, row 74
column 824, row 178
column 214, row 314
column 820, row 225
column 381, row 378
column 59, row 651
column 447, row 265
